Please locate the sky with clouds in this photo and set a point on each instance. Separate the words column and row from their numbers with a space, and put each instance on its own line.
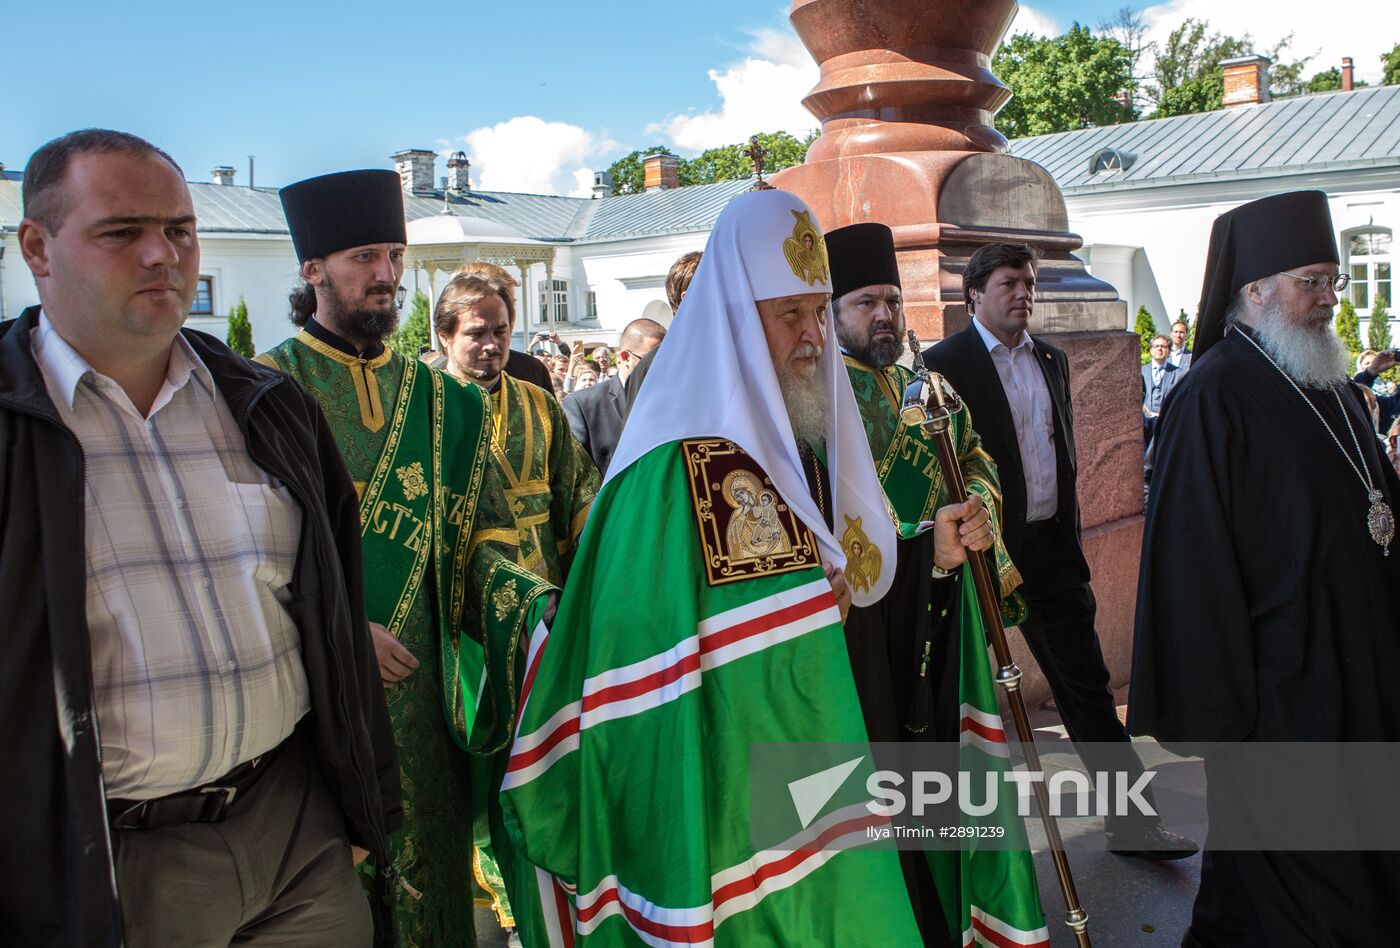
column 539, row 96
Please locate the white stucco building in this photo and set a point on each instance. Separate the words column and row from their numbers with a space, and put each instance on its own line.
column 1142, row 195
column 603, row 259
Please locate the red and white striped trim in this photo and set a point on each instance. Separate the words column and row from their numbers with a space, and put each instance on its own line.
column 559, row 918
column 989, row 930
column 532, row 665
column 741, row 887
column 662, row 678
column 982, row 730
column 734, row 890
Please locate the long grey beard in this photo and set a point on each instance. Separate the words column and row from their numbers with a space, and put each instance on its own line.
column 1314, row 358
column 805, row 399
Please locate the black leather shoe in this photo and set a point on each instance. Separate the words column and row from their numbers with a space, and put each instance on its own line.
column 1152, row 842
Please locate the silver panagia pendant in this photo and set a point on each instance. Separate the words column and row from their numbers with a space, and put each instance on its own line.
column 1381, row 520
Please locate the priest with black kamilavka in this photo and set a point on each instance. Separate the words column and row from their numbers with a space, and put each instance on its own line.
column 898, row 646
column 1270, row 484
column 919, row 654
column 447, row 596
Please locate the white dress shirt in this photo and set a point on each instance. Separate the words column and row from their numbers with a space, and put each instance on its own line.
column 1032, row 414
column 189, row 551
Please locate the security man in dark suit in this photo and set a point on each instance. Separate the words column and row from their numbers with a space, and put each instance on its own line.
column 1017, row 388
column 595, row 413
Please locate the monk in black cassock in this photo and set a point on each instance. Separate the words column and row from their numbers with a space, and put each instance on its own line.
column 1270, row 485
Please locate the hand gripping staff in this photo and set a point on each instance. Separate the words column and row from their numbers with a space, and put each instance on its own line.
column 931, row 402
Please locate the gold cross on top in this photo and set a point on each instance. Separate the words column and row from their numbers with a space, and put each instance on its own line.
column 756, row 153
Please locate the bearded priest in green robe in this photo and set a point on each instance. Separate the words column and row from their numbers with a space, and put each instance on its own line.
column 902, row 664
column 447, row 598
column 551, row 483
column 919, row 656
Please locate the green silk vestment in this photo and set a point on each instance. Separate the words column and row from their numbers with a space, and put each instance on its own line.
column 550, row 482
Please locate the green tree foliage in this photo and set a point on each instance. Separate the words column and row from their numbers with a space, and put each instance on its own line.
column 1348, row 329
column 1329, row 80
column 416, row 329
column 628, row 176
column 1190, row 330
column 1129, row 28
column 240, row 330
column 1205, row 94
column 1063, row 82
column 1188, row 74
column 728, row 163
column 1146, row 329
column 1378, row 331
column 1286, row 75
column 1191, row 53
column 1390, row 66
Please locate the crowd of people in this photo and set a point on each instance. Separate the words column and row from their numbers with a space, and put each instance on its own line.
column 328, row 646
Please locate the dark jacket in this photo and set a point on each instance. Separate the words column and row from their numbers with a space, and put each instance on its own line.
column 634, row 381
column 964, row 361
column 1170, row 376
column 529, row 369
column 595, row 417
column 61, row 888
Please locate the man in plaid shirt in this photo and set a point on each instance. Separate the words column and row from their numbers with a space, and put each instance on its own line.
column 204, row 731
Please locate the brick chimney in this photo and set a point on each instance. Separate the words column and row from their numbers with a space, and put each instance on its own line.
column 222, row 175
column 459, row 173
column 662, row 172
column 602, row 185
column 1348, row 75
column 1246, row 80
column 415, row 168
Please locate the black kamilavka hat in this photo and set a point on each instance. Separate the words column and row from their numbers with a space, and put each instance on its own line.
column 346, row 209
column 861, row 255
column 1257, row 240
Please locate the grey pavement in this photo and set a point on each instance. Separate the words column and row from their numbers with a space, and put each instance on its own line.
column 1131, row 902
column 488, row 933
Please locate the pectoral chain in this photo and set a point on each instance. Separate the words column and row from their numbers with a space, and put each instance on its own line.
column 1380, row 519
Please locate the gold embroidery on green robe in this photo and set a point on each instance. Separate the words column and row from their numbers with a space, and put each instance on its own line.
column 550, row 482
column 907, row 464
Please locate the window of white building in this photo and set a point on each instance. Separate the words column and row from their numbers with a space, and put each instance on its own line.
column 561, row 301
column 590, row 305
column 1368, row 262
column 203, row 304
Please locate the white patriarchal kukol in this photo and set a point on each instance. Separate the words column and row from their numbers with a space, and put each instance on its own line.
column 714, row 378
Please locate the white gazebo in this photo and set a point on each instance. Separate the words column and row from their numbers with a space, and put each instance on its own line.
column 442, row 243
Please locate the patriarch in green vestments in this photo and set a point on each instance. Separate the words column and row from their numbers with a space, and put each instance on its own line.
column 445, row 591
column 703, row 615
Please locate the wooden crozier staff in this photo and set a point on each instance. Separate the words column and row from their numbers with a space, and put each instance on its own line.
column 930, row 401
